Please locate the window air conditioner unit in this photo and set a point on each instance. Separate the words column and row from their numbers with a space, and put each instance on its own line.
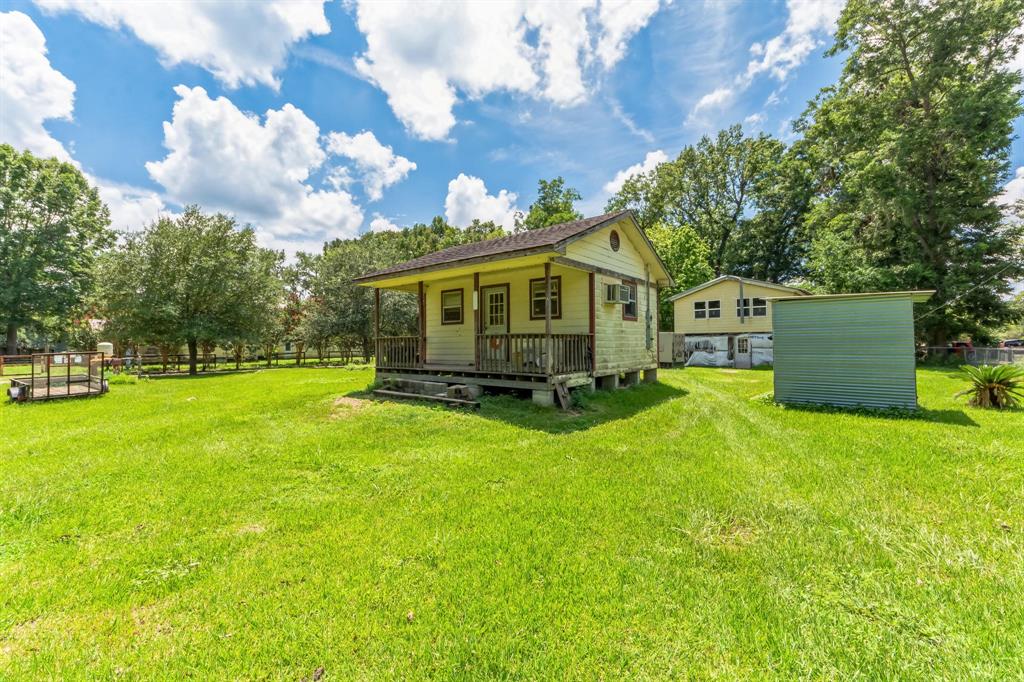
column 616, row 293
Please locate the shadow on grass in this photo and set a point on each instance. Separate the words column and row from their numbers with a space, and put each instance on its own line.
column 954, row 417
column 588, row 409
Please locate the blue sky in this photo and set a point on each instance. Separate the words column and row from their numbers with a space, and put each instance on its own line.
column 319, row 120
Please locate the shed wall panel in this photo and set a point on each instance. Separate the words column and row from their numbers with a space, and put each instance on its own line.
column 847, row 352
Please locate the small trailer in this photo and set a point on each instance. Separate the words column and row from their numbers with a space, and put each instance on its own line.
column 61, row 375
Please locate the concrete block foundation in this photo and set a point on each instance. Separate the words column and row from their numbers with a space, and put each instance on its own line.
column 545, row 397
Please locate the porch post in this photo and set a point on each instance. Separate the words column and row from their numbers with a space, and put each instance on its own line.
column 423, row 325
column 376, row 326
column 476, row 305
column 547, row 317
column 593, row 326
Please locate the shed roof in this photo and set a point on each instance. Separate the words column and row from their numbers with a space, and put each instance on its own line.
column 917, row 296
column 519, row 244
column 736, row 278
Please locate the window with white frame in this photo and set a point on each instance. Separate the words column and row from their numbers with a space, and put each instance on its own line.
column 760, row 307
column 707, row 309
column 742, row 307
column 451, row 306
column 629, row 307
column 538, row 296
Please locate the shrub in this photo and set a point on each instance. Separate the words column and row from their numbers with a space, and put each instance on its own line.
column 994, row 386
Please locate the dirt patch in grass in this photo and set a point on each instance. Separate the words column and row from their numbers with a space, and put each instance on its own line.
column 346, row 406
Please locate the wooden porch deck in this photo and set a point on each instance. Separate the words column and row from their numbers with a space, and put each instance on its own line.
column 521, row 358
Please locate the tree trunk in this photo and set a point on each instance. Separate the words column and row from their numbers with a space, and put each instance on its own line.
column 367, row 349
column 193, row 349
column 12, row 338
column 298, row 353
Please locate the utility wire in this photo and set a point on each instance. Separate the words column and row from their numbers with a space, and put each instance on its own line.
column 964, row 293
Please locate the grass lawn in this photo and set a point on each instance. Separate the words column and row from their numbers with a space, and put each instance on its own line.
column 250, row 526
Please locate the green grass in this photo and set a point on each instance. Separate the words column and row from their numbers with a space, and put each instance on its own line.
column 245, row 526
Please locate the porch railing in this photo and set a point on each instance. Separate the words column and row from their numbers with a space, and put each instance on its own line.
column 398, row 351
column 504, row 353
column 527, row 353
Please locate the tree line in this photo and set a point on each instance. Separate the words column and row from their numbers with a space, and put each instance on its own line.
column 890, row 182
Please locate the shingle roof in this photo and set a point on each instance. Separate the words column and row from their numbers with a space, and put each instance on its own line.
column 520, row 241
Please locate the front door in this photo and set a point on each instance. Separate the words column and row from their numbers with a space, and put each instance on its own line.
column 494, row 321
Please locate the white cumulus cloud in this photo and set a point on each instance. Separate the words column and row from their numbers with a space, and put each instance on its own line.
column 650, row 162
column 425, row 55
column 241, row 43
column 621, row 19
column 258, row 170
column 1014, row 189
column 382, row 224
column 468, row 199
column 32, row 92
column 808, row 20
column 131, row 208
column 377, row 164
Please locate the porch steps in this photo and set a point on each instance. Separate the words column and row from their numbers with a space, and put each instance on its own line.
column 459, row 395
column 455, row 402
column 562, row 393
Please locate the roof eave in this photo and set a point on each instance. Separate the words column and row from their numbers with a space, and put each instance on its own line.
column 737, row 278
column 916, row 295
column 372, row 278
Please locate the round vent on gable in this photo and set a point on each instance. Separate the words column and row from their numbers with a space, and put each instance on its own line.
column 614, row 239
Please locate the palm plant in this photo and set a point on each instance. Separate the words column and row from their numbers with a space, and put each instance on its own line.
column 994, row 386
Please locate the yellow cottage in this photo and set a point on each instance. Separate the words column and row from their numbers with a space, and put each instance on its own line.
column 728, row 306
column 546, row 310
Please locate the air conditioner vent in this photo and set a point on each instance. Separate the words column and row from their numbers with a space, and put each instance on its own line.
column 616, row 294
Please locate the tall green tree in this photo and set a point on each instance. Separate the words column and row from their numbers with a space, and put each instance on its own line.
column 339, row 311
column 194, row 280
column 555, row 204
column 686, row 256
column 52, row 227
column 771, row 242
column 745, row 197
column 912, row 145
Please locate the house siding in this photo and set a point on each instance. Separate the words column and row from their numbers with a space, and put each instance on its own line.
column 726, row 291
column 847, row 352
column 621, row 344
column 452, row 344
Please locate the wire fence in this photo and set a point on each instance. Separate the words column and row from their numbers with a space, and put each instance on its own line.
column 12, row 366
column 972, row 356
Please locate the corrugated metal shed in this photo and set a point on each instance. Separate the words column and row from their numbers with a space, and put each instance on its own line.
column 853, row 350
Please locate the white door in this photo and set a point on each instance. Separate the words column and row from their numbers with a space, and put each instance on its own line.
column 495, row 325
column 742, row 352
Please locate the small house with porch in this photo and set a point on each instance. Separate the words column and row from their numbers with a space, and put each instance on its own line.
column 546, row 310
